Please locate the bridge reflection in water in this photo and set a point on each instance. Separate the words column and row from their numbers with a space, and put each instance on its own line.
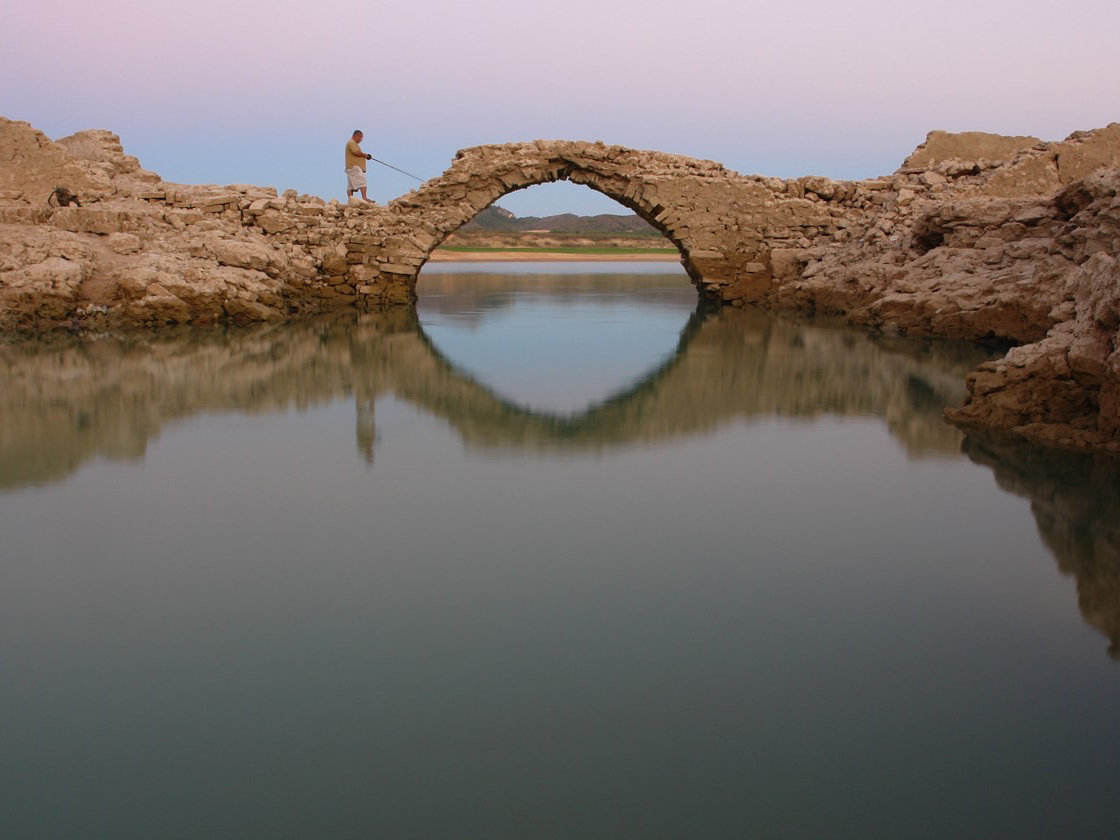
column 69, row 399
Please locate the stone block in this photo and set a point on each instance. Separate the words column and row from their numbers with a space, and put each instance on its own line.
column 92, row 220
column 966, row 145
column 817, row 185
column 241, row 254
column 273, row 222
column 240, row 309
column 335, row 263
column 423, row 241
column 787, row 263
column 1080, row 157
column 397, row 268
column 123, row 243
column 1027, row 178
column 187, row 217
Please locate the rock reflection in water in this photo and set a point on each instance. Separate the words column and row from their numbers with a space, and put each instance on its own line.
column 1075, row 500
column 67, row 399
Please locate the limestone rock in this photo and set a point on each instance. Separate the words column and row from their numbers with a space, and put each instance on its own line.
column 103, row 151
column 967, row 146
column 273, row 221
column 31, row 166
column 1083, row 154
column 123, row 243
column 247, row 310
column 243, row 253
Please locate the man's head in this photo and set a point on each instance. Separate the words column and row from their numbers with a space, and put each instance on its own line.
column 357, row 135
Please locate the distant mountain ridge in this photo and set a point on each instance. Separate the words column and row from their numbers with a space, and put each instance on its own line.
column 495, row 218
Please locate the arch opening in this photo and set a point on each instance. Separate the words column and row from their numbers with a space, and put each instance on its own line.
column 555, row 227
column 638, row 233
column 479, row 177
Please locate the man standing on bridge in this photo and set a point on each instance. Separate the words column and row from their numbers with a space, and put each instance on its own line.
column 356, row 167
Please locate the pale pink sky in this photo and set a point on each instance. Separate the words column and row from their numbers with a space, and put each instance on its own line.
column 266, row 92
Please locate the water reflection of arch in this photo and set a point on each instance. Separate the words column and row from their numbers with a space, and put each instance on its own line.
column 66, row 400
column 727, row 365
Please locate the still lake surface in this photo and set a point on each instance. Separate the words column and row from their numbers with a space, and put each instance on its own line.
column 557, row 556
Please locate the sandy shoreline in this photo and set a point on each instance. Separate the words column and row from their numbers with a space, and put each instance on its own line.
column 439, row 255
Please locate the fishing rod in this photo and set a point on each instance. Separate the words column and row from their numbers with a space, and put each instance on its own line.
column 409, row 174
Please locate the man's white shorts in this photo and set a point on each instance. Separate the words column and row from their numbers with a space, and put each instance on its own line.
column 355, row 179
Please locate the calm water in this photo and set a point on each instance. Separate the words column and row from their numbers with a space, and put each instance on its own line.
column 561, row 557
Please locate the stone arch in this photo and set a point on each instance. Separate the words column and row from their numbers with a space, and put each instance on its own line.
column 722, row 223
column 480, row 176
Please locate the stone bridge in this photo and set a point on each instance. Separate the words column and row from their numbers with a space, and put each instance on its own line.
column 205, row 253
column 724, row 224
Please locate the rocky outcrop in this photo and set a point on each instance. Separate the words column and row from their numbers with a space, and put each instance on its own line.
column 976, row 237
column 141, row 251
column 941, row 147
column 964, row 255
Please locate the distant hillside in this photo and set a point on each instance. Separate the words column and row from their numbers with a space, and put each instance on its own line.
column 497, row 218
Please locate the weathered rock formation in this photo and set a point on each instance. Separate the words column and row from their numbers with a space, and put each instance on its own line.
column 1023, row 250
column 976, row 236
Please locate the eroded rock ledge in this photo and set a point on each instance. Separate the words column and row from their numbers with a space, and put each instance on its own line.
column 976, row 236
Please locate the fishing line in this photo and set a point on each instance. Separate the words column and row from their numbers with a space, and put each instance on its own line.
column 409, row 174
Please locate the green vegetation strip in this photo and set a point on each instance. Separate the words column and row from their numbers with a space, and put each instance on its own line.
column 558, row 250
